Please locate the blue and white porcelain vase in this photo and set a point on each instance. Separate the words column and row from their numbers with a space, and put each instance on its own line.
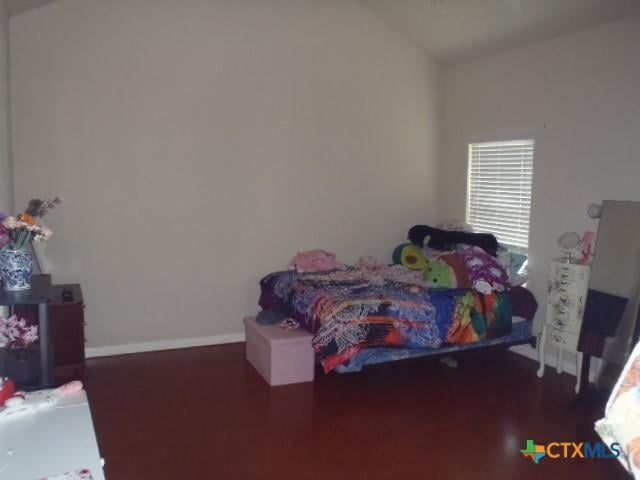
column 16, row 267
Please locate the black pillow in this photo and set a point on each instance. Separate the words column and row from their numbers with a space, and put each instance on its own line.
column 443, row 239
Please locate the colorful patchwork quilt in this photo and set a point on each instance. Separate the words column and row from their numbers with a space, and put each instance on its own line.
column 347, row 313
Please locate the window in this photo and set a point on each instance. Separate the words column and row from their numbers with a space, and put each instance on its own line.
column 499, row 190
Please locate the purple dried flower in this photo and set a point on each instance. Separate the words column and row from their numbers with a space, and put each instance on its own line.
column 46, row 206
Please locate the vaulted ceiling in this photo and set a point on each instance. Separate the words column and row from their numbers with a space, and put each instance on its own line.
column 14, row 7
column 456, row 31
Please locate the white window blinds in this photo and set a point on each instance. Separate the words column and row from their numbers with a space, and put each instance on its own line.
column 499, row 190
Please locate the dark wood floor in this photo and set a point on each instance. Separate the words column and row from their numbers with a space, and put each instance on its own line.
column 204, row 413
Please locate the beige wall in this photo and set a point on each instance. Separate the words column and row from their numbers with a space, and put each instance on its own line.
column 6, row 194
column 579, row 96
column 199, row 144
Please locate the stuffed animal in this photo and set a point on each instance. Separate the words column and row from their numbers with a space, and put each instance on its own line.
column 411, row 257
column 424, row 235
column 443, row 272
column 439, row 275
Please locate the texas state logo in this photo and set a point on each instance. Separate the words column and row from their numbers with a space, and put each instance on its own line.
column 570, row 450
column 533, row 451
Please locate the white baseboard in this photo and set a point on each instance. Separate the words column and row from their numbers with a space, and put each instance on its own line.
column 110, row 350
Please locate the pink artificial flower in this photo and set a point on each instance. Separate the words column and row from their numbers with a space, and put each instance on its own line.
column 17, row 333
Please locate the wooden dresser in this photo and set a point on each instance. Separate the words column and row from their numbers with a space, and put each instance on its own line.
column 67, row 333
column 66, row 320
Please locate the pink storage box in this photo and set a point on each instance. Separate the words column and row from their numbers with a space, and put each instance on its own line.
column 280, row 356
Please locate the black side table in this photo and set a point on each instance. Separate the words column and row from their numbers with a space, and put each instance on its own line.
column 39, row 294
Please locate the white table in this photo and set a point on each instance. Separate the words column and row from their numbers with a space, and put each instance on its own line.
column 51, row 442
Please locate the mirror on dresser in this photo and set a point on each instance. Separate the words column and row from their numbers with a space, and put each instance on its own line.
column 609, row 326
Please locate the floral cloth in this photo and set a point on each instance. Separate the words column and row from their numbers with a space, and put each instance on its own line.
column 621, row 423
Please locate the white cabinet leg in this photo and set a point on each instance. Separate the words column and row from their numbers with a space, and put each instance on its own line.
column 542, row 340
column 578, row 370
column 560, row 360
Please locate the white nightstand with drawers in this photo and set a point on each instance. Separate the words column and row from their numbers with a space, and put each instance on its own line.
column 566, row 296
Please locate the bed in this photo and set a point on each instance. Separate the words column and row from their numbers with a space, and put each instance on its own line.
column 363, row 318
